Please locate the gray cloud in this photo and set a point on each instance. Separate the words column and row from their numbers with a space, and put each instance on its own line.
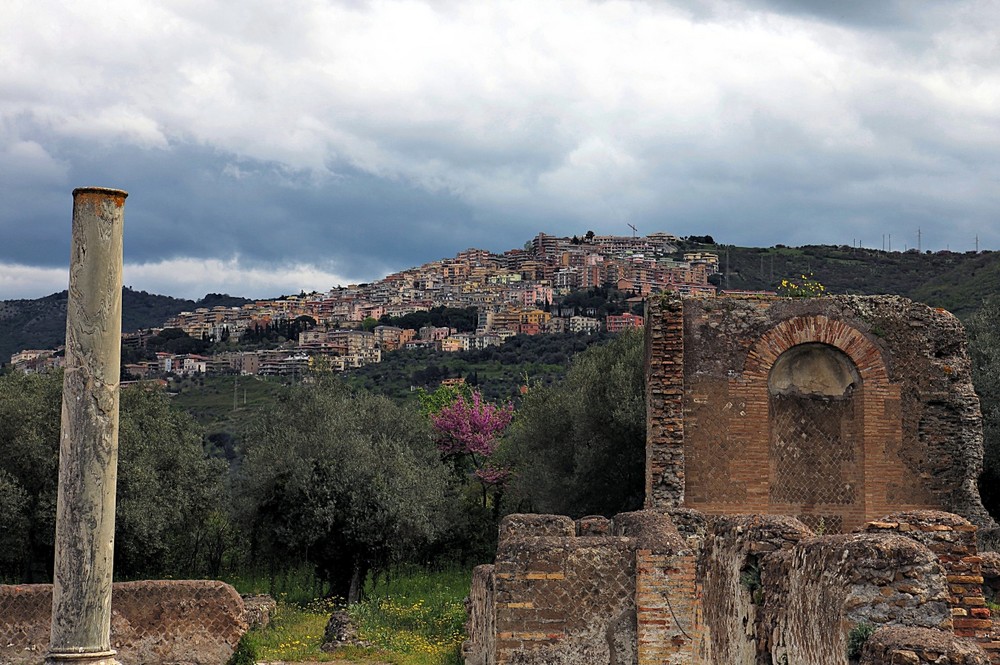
column 347, row 140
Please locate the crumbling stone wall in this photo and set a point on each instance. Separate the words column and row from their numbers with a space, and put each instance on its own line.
column 565, row 592
column 480, row 648
column 831, row 410
column 560, row 598
column 970, row 576
column 916, row 646
column 819, row 590
column 817, row 415
column 726, row 590
column 732, row 584
column 152, row 622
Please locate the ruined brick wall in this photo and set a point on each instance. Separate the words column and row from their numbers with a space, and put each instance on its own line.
column 568, row 592
column 153, row 622
column 727, row 590
column 562, row 598
column 903, row 432
column 668, row 610
column 953, row 541
column 665, row 405
column 668, row 621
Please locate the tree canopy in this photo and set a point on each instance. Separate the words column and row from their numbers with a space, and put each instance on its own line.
column 351, row 483
column 167, row 494
column 984, row 352
column 578, row 447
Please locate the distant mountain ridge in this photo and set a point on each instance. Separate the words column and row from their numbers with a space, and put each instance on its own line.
column 958, row 282
column 41, row 323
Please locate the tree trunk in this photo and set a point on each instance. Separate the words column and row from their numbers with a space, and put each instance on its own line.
column 354, row 593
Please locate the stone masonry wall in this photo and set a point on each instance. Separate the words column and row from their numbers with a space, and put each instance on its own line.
column 560, row 598
column 566, row 592
column 732, row 590
column 665, row 404
column 917, row 646
column 154, row 622
column 668, row 621
column 953, row 541
column 480, row 648
column 816, row 592
column 730, row 577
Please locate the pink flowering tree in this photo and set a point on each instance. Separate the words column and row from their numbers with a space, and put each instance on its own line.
column 467, row 432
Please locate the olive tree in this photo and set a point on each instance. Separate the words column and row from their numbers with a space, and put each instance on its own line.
column 167, row 494
column 578, row 447
column 350, row 483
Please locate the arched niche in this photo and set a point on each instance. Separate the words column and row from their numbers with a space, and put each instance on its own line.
column 816, row 442
column 813, row 369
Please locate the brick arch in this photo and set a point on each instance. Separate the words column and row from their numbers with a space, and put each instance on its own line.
column 867, row 357
column 875, row 430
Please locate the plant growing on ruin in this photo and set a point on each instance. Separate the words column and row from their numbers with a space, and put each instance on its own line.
column 750, row 580
column 245, row 653
column 804, row 287
column 856, row 639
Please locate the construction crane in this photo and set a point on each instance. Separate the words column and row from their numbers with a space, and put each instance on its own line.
column 635, row 231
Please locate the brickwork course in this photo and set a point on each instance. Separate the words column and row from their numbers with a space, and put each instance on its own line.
column 152, row 622
column 811, row 475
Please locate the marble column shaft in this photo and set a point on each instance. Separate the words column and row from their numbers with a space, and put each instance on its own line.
column 88, row 447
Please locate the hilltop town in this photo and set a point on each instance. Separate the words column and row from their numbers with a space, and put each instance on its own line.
column 516, row 292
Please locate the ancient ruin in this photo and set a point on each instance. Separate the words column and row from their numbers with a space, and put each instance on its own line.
column 82, row 618
column 811, row 499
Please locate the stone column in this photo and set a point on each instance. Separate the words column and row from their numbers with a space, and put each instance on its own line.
column 88, row 446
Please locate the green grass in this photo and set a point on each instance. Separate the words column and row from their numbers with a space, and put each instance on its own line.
column 416, row 613
column 414, row 617
column 297, row 585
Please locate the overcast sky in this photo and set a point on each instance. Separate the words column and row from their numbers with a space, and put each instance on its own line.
column 270, row 147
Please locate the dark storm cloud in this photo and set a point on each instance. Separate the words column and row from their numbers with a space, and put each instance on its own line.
column 192, row 201
column 268, row 154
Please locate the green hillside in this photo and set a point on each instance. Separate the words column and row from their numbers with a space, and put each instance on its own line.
column 955, row 281
column 41, row 323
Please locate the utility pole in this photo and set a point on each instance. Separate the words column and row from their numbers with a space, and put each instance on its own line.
column 890, row 242
column 918, row 239
column 88, row 439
